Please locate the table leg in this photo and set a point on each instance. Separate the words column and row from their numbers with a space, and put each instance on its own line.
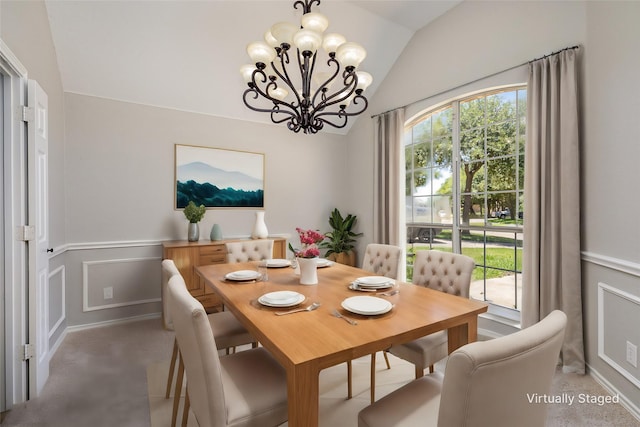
column 303, row 382
column 463, row 334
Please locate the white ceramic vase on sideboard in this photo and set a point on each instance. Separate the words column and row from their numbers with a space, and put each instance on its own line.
column 259, row 228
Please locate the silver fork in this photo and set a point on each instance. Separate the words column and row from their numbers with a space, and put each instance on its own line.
column 390, row 293
column 297, row 310
column 337, row 314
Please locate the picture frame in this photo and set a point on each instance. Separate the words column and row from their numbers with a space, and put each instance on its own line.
column 218, row 178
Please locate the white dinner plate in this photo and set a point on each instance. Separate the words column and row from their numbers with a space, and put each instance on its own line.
column 356, row 287
column 278, row 263
column 323, row 262
column 242, row 275
column 281, row 299
column 374, row 282
column 365, row 305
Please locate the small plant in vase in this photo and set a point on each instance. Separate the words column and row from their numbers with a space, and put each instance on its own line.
column 194, row 214
column 307, row 256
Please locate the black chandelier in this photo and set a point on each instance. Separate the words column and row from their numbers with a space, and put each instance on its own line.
column 306, row 101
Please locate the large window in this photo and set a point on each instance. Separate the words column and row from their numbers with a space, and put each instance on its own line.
column 464, row 166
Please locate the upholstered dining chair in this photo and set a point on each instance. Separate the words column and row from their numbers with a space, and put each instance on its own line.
column 248, row 388
column 445, row 272
column 249, row 250
column 228, row 331
column 381, row 260
column 486, row 383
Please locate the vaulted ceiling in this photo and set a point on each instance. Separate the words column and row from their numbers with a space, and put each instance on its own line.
column 186, row 54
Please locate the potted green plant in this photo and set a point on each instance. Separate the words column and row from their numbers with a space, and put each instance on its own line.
column 194, row 214
column 340, row 240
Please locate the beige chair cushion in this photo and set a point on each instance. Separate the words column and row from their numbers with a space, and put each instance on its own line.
column 424, row 351
column 485, row 383
column 382, row 260
column 413, row 405
column 443, row 271
column 228, row 331
column 249, row 250
column 243, row 389
column 168, row 269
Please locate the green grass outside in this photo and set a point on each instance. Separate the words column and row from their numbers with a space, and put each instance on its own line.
column 495, row 258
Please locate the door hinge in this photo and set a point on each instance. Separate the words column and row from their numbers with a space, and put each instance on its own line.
column 29, row 351
column 25, row 233
column 28, row 114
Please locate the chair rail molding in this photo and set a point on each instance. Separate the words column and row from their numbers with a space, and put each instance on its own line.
column 629, row 267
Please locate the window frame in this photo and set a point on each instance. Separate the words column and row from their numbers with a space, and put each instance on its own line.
column 452, row 101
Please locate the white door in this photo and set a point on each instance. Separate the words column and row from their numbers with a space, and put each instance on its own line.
column 37, row 135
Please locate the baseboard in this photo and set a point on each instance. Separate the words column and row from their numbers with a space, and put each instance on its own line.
column 624, row 401
column 112, row 322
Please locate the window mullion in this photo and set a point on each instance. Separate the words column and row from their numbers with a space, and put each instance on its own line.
column 455, row 164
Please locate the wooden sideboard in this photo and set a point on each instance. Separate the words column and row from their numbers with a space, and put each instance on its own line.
column 188, row 255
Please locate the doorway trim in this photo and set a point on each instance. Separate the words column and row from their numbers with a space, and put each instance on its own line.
column 14, row 284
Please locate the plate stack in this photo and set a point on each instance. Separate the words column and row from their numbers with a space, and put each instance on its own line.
column 372, row 283
column 242, row 275
column 367, row 306
column 281, row 299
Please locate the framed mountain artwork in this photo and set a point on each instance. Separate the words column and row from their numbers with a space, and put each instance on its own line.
column 218, row 178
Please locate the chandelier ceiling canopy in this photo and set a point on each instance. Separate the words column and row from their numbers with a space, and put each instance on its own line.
column 297, row 86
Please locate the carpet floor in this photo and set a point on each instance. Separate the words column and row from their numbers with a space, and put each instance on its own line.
column 114, row 376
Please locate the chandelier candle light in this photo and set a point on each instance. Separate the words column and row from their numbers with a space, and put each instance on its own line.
column 306, row 101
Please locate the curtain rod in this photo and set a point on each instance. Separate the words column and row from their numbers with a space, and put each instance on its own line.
column 478, row 79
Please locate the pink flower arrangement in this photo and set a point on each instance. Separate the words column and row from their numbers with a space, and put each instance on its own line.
column 309, row 240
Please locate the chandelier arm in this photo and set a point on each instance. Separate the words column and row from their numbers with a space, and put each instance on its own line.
column 284, row 75
column 306, row 4
column 326, row 84
column 274, row 110
column 351, row 82
column 342, row 113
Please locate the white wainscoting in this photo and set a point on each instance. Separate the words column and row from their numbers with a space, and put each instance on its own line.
column 132, row 280
column 57, row 314
column 613, row 333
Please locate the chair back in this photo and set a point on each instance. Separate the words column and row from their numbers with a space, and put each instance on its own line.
column 443, row 271
column 169, row 269
column 497, row 382
column 383, row 260
column 199, row 354
column 249, row 250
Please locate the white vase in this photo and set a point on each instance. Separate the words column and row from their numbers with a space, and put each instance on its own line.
column 259, row 228
column 308, row 271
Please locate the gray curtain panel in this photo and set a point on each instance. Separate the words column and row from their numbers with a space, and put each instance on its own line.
column 551, row 261
column 388, row 170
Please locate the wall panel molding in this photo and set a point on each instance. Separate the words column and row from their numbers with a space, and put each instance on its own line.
column 131, row 281
column 611, row 302
column 57, row 322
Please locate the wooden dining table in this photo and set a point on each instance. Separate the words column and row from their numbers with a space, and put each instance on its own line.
column 307, row 342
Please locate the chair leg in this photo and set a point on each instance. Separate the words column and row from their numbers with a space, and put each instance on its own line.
column 177, row 393
column 419, row 371
column 373, row 377
column 386, row 359
column 349, row 384
column 185, row 410
column 172, row 367
column 431, row 369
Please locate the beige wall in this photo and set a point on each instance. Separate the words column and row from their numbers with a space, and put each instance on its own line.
column 477, row 39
